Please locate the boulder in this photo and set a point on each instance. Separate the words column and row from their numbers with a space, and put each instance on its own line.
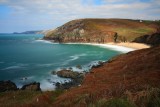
column 35, row 86
column 67, row 74
column 7, row 86
column 76, row 79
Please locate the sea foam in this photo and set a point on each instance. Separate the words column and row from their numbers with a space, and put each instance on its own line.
column 45, row 41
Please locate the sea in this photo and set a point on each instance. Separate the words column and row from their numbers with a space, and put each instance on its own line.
column 26, row 58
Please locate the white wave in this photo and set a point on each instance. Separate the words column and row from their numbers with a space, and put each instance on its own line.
column 13, row 67
column 45, row 41
column 46, row 86
column 17, row 66
column 77, row 69
column 44, row 65
column 49, row 84
column 73, row 58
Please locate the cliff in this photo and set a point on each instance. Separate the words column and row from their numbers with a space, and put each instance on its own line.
column 102, row 30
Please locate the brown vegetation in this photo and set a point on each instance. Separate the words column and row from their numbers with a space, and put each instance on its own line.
column 135, row 76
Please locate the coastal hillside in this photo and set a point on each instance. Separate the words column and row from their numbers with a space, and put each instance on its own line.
column 103, row 30
column 128, row 80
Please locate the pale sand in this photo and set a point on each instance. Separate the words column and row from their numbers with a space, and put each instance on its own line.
column 135, row 46
column 122, row 47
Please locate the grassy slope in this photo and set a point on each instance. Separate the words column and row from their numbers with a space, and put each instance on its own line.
column 124, row 27
column 133, row 77
column 28, row 98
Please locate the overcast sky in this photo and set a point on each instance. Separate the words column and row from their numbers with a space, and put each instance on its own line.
column 23, row 15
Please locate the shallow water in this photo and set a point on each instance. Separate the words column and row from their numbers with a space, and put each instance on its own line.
column 24, row 56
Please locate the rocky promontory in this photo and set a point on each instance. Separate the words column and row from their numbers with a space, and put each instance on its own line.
column 11, row 86
column 102, row 30
column 7, row 86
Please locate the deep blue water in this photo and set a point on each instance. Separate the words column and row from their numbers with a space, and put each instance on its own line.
column 24, row 55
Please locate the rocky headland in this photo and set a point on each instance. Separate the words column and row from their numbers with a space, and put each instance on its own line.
column 103, row 31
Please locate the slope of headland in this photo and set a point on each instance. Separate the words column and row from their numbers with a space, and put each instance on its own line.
column 134, row 76
column 103, row 30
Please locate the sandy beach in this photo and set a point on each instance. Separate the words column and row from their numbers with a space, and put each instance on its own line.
column 135, row 46
column 123, row 47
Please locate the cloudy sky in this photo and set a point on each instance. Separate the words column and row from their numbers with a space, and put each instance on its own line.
column 23, row 15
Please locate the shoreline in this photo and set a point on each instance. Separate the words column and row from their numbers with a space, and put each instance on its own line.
column 127, row 46
column 122, row 47
column 133, row 45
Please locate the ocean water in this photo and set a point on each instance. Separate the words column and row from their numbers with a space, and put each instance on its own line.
column 25, row 56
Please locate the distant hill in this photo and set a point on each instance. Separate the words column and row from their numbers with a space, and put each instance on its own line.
column 30, row 32
column 103, row 30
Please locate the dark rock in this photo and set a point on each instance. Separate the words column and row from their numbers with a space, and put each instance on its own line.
column 79, row 66
column 35, row 86
column 153, row 39
column 7, row 86
column 76, row 79
column 98, row 65
column 53, row 72
column 67, row 74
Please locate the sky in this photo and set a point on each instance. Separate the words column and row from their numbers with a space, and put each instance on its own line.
column 25, row 15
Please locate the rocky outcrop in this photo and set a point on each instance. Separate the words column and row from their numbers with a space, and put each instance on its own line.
column 68, row 74
column 101, row 30
column 35, row 86
column 153, row 39
column 7, row 86
column 76, row 79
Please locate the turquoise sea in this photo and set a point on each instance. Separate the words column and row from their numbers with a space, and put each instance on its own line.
column 26, row 56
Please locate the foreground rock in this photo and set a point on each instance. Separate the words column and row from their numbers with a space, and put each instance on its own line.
column 35, row 86
column 76, row 79
column 7, row 86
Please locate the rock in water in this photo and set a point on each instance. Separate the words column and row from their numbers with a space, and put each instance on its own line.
column 76, row 79
column 7, row 86
column 35, row 86
column 67, row 74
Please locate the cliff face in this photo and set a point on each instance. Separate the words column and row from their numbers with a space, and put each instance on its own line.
column 102, row 30
column 153, row 39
